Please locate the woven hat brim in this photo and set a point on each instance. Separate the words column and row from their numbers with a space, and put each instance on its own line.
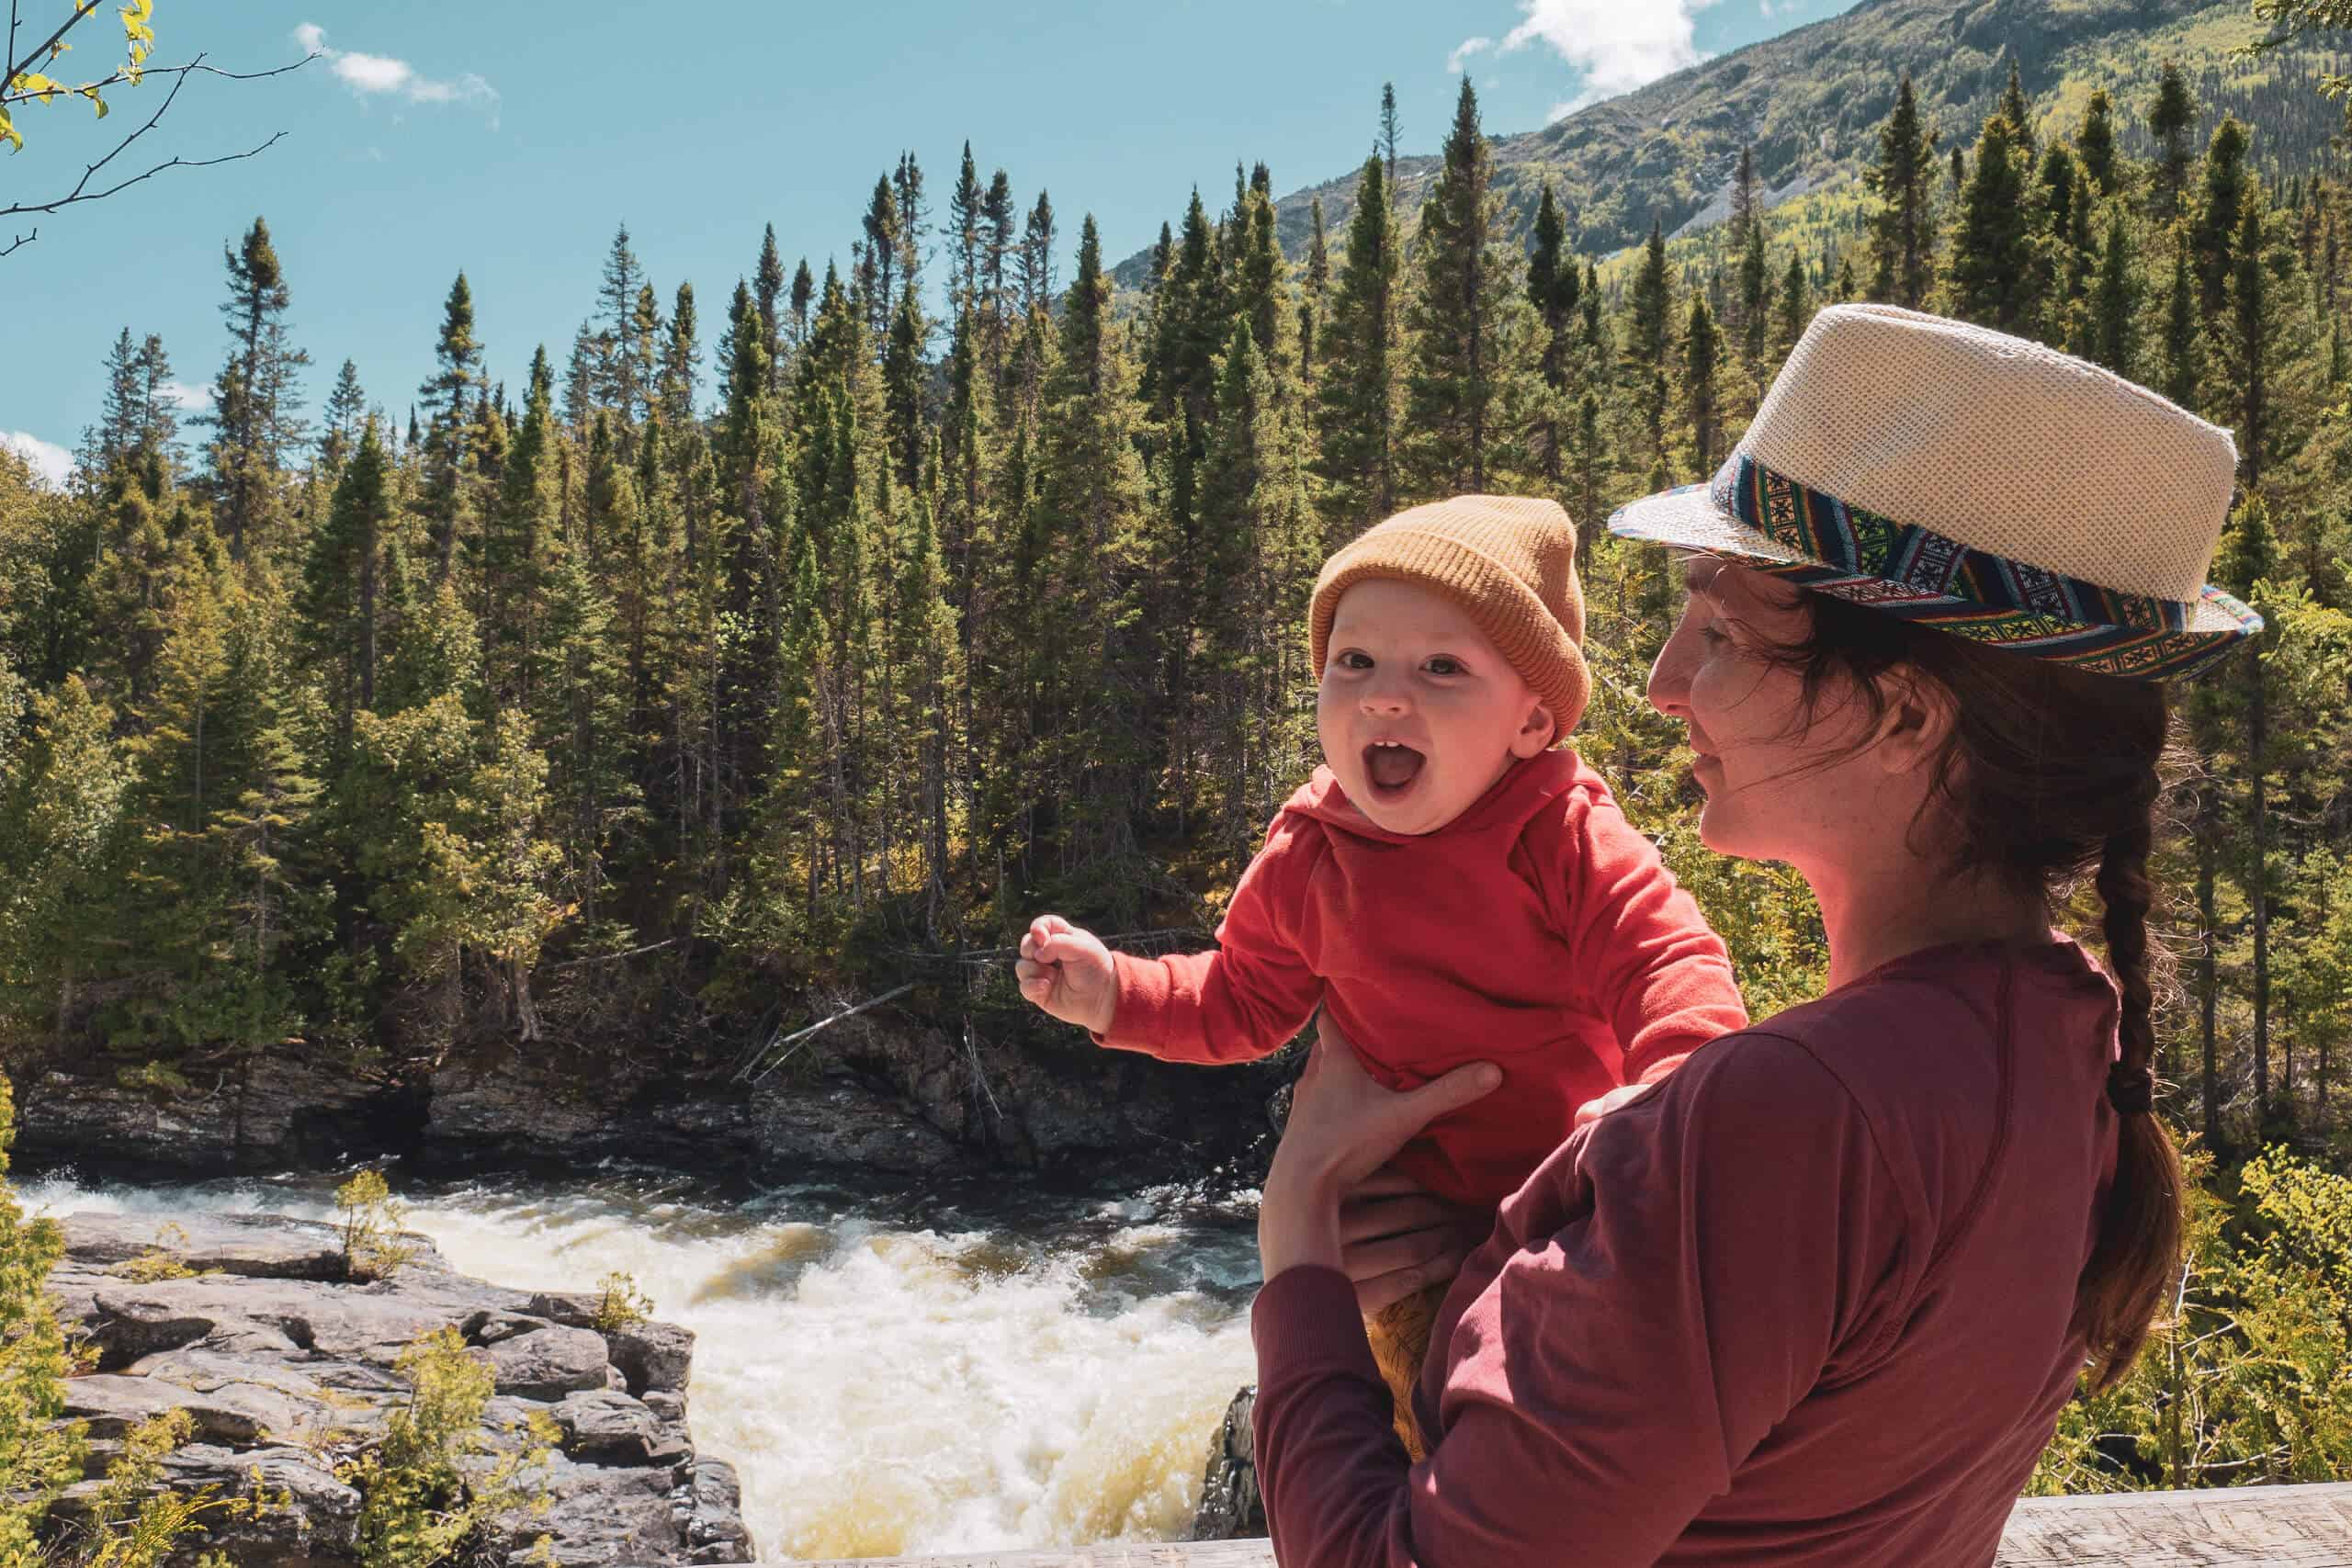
column 1691, row 517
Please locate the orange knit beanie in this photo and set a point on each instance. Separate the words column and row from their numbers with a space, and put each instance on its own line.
column 1510, row 562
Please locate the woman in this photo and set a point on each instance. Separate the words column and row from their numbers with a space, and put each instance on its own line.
column 1819, row 1296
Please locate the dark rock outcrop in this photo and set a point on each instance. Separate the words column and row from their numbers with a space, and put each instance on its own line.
column 1230, row 1506
column 284, row 1368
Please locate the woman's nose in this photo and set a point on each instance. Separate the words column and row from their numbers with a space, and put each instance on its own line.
column 1669, row 687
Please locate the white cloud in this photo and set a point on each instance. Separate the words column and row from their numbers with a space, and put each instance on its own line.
column 185, row 398
column 1616, row 46
column 50, row 462
column 377, row 75
column 1464, row 50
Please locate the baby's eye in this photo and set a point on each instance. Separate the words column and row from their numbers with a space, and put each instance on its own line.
column 1351, row 659
column 1442, row 664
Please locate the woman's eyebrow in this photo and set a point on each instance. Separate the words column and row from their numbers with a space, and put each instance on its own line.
column 1698, row 574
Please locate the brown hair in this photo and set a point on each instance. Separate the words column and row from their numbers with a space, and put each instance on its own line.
column 2049, row 772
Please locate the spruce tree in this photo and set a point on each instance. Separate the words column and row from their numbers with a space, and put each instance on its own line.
column 904, row 375
column 1037, row 256
column 1754, row 308
column 1316, row 291
column 1902, row 230
column 1649, row 346
column 1744, row 204
column 341, row 604
column 1389, row 129
column 621, row 386
column 2183, row 348
column 2094, row 142
column 2171, row 117
column 882, row 251
column 2215, row 227
column 1795, row 309
column 682, row 362
column 1702, row 401
column 767, row 293
column 1358, row 395
column 257, row 397
column 457, row 372
column 2014, row 108
column 346, row 408
column 1989, row 274
column 2115, row 303
column 965, row 217
column 1553, row 281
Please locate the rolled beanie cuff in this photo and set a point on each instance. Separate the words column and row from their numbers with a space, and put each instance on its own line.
column 1513, row 617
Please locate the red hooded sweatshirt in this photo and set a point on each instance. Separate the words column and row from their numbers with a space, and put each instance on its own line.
column 1537, row 930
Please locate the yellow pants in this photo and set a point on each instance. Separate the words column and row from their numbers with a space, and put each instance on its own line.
column 1399, row 1333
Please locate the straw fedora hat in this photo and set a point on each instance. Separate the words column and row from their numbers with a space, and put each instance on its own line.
column 1981, row 483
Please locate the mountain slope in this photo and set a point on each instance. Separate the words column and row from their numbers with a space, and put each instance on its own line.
column 1811, row 102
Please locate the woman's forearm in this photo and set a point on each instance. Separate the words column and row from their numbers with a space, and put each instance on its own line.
column 1298, row 1220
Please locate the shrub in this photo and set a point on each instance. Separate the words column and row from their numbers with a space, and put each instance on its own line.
column 372, row 1248
column 622, row 1304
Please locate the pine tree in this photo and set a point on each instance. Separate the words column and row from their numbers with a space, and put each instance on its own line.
column 914, row 218
column 1989, row 274
column 257, row 397
column 457, row 358
column 2214, row 230
column 682, row 361
column 2184, row 360
column 1649, row 348
column 2094, row 142
column 346, row 410
column 767, row 293
column 1388, row 133
column 1037, row 256
column 620, row 386
column 2115, row 304
column 904, row 374
column 1358, row 396
column 1795, row 308
column 877, row 271
column 1316, row 291
column 1553, row 284
column 2171, row 117
column 1744, row 204
column 2252, row 346
column 965, row 215
column 341, row 603
column 997, row 250
column 1902, row 230
column 519, row 546
column 1467, row 388
column 1702, row 404
column 1754, row 308
column 2020, row 114
column 804, row 289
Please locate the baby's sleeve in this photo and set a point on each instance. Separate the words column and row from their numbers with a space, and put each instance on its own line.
column 1652, row 964
column 1255, row 992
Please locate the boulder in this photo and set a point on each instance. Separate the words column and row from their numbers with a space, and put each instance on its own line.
column 284, row 1367
column 1230, row 1506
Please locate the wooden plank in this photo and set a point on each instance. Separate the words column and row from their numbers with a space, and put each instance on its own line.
column 2250, row 1526
column 2283, row 1527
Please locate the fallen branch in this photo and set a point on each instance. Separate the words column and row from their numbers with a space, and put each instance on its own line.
column 600, row 957
column 802, row 1035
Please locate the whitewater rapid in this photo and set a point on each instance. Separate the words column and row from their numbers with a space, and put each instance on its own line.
column 890, row 1375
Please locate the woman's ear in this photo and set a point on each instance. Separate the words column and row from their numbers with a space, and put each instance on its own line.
column 1534, row 737
column 1918, row 720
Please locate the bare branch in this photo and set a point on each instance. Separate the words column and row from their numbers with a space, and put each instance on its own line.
column 121, row 76
column 82, row 191
column 19, row 241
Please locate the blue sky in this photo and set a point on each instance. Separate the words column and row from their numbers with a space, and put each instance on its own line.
column 510, row 140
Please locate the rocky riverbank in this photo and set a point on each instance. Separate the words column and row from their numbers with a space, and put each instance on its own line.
column 892, row 1097
column 289, row 1371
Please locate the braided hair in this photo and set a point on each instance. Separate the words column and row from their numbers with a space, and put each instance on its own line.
column 2049, row 774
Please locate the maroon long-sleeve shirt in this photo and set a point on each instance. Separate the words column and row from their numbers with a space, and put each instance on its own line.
column 1808, row 1301
column 1537, row 930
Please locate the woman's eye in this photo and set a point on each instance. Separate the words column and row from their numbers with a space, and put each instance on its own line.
column 1712, row 637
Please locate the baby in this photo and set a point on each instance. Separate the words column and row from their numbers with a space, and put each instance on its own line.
column 1449, row 885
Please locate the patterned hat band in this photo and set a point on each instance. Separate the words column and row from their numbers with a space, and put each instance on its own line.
column 1917, row 574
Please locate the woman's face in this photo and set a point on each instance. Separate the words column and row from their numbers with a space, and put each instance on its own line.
column 1781, row 784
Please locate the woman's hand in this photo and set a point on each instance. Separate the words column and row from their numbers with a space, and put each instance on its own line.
column 1343, row 1127
column 1395, row 1236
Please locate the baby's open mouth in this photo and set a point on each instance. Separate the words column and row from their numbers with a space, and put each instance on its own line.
column 1392, row 767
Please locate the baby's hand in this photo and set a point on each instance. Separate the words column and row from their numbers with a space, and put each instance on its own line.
column 1067, row 972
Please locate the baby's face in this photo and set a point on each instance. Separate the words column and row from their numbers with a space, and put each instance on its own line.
column 1418, row 714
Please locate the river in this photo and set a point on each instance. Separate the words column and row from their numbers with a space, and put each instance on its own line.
column 980, row 1368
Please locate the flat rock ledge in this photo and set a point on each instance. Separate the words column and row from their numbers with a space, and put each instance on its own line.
column 287, row 1370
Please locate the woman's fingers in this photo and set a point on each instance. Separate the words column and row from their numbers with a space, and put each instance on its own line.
column 1386, row 1290
column 1367, row 1217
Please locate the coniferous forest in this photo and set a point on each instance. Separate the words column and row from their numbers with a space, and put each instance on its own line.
column 742, row 646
